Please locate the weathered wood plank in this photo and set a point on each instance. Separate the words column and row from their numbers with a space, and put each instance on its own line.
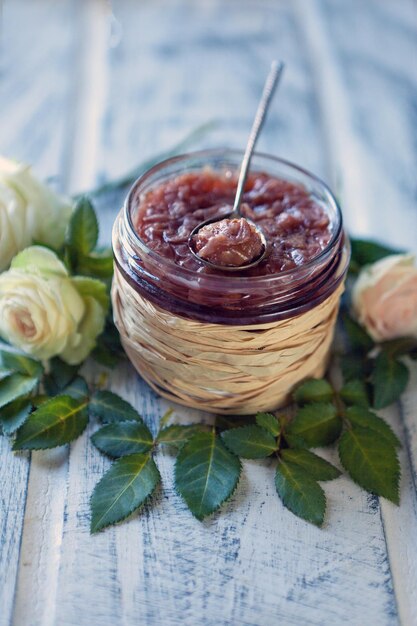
column 35, row 55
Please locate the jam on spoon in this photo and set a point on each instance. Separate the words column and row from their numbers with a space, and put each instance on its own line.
column 247, row 242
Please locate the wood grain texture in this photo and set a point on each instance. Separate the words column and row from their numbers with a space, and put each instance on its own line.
column 100, row 92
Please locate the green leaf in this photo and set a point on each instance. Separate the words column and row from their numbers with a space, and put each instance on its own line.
column 5, row 374
column 77, row 388
column 178, row 434
column 83, row 228
column 355, row 392
column 14, row 414
column 123, row 489
column 358, row 336
column 314, row 425
column 313, row 390
column 20, row 363
column 56, row 422
column 359, row 416
column 15, row 386
column 353, row 366
column 250, row 442
column 300, row 493
column 60, row 375
column 206, row 473
column 389, row 378
column 371, row 462
column 96, row 265
column 315, row 466
column 92, row 287
column 110, row 408
column 365, row 252
column 269, row 422
column 123, row 438
column 400, row 347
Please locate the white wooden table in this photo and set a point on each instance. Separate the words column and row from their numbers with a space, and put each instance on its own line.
column 85, row 94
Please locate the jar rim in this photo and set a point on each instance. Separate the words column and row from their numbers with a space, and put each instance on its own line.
column 229, row 152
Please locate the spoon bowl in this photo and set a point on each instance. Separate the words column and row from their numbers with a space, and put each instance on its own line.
column 268, row 91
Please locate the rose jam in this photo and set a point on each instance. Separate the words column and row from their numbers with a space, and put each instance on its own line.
column 296, row 227
column 229, row 242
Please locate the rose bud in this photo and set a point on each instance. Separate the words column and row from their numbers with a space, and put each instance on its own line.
column 385, row 298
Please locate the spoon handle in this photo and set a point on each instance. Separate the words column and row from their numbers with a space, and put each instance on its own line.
column 270, row 85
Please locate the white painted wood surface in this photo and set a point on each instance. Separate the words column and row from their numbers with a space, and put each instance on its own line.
column 87, row 90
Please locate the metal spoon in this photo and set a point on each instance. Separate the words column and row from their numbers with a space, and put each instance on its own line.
column 271, row 83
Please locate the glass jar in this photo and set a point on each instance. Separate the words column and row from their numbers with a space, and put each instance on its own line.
column 220, row 300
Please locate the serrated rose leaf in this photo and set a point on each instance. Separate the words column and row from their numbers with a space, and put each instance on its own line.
column 359, row 338
column 313, row 390
column 359, row 416
column 354, row 392
column 55, row 423
column 14, row 414
column 110, row 408
column 60, row 376
column 371, row 462
column 250, row 442
column 178, row 434
column 314, row 425
column 83, row 228
column 20, row 363
column 389, row 380
column 269, row 422
column 206, row 473
column 123, row 438
column 300, row 493
column 315, row 466
column 15, row 386
column 123, row 489
column 77, row 388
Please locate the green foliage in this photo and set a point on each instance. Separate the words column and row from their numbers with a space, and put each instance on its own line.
column 314, row 425
column 60, row 376
column 82, row 233
column 354, row 392
column 250, row 442
column 16, row 386
column 206, row 473
column 389, row 380
column 110, row 408
column 178, row 434
column 358, row 337
column 20, row 363
column 77, row 388
column 371, row 462
column 123, row 489
column 14, row 414
column 313, row 390
column 269, row 422
column 300, row 493
column 360, row 416
column 56, row 422
column 315, row 466
column 123, row 438
column 365, row 252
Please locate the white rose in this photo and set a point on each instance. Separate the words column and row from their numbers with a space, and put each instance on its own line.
column 45, row 312
column 29, row 211
column 385, row 298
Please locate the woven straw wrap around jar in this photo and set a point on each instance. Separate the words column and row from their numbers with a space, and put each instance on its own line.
column 221, row 368
column 221, row 342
